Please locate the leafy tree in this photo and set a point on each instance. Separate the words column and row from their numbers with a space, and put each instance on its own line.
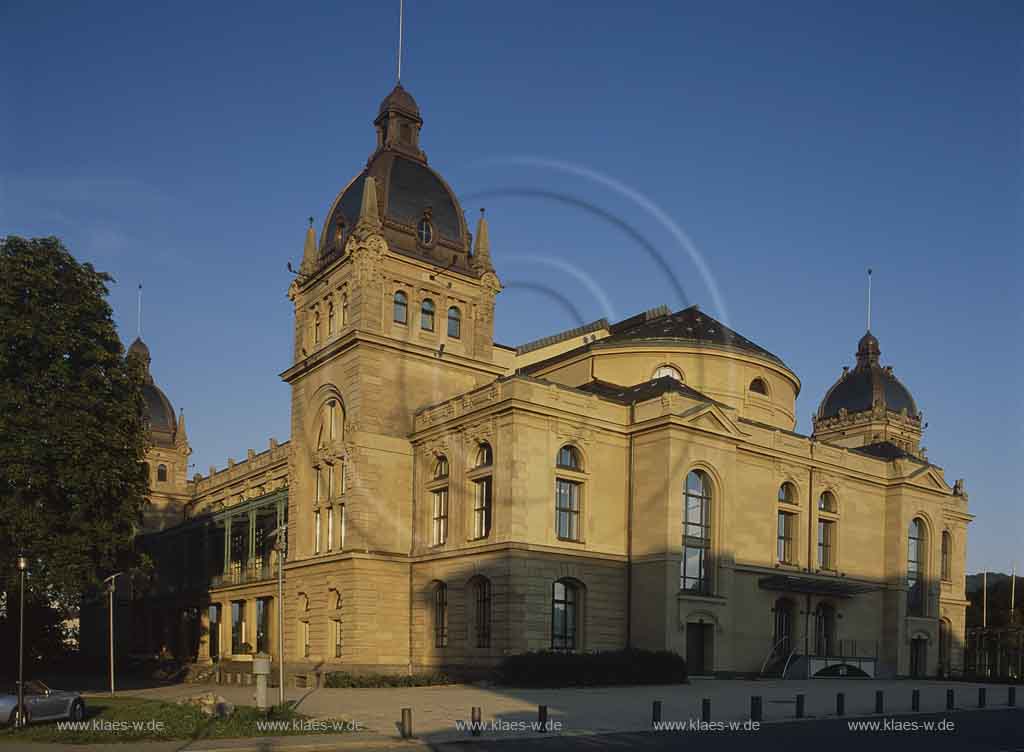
column 72, row 432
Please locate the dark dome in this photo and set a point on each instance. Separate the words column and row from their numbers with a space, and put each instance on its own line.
column 859, row 389
column 158, row 411
column 400, row 99
column 406, row 189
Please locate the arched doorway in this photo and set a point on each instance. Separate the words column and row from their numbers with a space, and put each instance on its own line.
column 700, row 646
column 783, row 637
column 919, row 656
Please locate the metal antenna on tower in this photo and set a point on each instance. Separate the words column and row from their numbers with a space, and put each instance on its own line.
column 401, row 22
column 869, row 299
column 140, row 311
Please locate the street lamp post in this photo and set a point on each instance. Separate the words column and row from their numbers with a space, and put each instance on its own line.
column 20, row 715
column 281, row 545
column 111, row 583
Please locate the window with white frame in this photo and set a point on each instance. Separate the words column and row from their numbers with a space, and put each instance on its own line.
column 696, row 572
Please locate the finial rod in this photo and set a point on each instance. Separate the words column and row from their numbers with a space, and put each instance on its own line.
column 869, row 299
column 140, row 311
column 401, row 24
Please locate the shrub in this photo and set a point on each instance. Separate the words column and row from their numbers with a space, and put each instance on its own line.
column 558, row 669
column 338, row 679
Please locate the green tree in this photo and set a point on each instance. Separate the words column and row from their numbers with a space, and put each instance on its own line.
column 72, row 432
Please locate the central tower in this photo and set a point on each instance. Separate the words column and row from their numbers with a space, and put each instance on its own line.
column 394, row 311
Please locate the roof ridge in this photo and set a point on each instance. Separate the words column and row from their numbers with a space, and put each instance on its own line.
column 551, row 339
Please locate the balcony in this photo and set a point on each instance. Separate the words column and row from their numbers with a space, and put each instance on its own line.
column 244, row 575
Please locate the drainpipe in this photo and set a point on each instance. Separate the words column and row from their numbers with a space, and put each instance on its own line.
column 810, row 551
column 629, row 535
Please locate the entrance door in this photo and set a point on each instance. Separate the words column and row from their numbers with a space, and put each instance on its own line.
column 783, row 627
column 918, row 657
column 215, row 631
column 699, row 656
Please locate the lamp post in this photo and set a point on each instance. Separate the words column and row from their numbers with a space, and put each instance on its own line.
column 111, row 583
column 281, row 546
column 20, row 716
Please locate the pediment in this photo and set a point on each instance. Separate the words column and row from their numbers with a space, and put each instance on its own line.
column 930, row 478
column 711, row 418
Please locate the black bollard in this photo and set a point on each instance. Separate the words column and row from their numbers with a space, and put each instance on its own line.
column 840, row 703
column 406, row 723
column 879, row 702
column 915, row 700
column 474, row 718
column 949, row 699
column 542, row 716
column 656, row 712
column 1011, row 697
column 705, row 710
column 800, row 706
column 981, row 697
column 755, row 708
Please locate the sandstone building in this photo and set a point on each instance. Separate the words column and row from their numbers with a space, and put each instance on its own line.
column 450, row 500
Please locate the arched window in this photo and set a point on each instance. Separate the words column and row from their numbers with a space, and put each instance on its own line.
column 483, row 492
column 441, row 468
column 671, row 371
column 568, row 490
column 787, row 493
column 344, row 310
column 439, row 503
column 565, row 603
column 330, row 423
column 481, row 593
column 695, row 569
column 425, row 232
column 441, row 615
column 827, row 502
column 330, row 318
column 758, row 386
column 316, row 327
column 915, row 568
column 161, row 473
column 947, row 554
column 484, row 455
column 401, row 314
column 569, row 458
column 339, row 234
column 427, row 315
column 454, row 323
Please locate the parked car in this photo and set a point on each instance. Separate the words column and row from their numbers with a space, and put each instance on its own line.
column 42, row 704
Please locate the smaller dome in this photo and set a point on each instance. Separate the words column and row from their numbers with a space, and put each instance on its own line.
column 400, row 99
column 158, row 410
column 139, row 349
column 868, row 383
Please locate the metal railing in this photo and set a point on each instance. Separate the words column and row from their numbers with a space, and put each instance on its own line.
column 240, row 575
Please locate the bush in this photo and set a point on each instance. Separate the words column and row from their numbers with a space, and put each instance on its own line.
column 338, row 679
column 556, row 669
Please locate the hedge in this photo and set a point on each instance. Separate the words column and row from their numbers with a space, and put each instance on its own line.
column 345, row 679
column 561, row 669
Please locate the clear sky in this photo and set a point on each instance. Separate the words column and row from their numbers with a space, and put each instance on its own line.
column 793, row 144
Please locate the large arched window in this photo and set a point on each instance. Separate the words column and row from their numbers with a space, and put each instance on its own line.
column 827, row 502
column 947, row 556
column 483, row 491
column 454, row 323
column 330, row 425
column 758, row 386
column 439, row 502
column 828, row 520
column 427, row 315
column 787, row 493
column 916, row 548
column 401, row 308
column 695, row 568
column 568, row 493
column 480, row 591
column 565, row 611
column 441, row 615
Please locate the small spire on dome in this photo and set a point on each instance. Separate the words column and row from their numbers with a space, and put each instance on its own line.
column 309, row 252
column 369, row 215
column 482, row 245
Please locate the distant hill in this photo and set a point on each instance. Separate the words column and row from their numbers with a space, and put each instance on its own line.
column 994, row 578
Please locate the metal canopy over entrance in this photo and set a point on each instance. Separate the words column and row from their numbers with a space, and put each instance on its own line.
column 809, row 585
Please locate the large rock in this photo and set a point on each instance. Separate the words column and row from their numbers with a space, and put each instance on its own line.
column 209, row 704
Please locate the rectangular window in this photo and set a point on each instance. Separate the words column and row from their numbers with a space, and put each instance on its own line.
column 341, row 525
column 440, row 616
column 439, row 530
column 319, row 485
column 696, row 544
column 826, row 532
column 330, row 479
column 338, row 644
column 316, row 531
column 330, row 528
column 483, row 613
column 787, row 527
column 263, row 625
column 482, row 508
column 237, row 626
column 567, row 509
column 304, row 635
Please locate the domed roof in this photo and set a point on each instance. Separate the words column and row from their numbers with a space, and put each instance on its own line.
column 866, row 385
column 399, row 99
column 158, row 410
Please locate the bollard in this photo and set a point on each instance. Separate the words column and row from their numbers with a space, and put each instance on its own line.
column 949, row 699
column 981, row 697
column 1011, row 697
column 542, row 717
column 755, row 708
column 705, row 710
column 800, row 706
column 406, row 723
column 656, row 712
column 474, row 717
column 879, row 702
column 840, row 703
column 915, row 700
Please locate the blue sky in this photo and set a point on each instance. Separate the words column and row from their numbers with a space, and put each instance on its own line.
column 793, row 144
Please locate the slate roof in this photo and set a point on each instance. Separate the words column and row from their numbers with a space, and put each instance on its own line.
column 630, row 395
column 883, row 450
